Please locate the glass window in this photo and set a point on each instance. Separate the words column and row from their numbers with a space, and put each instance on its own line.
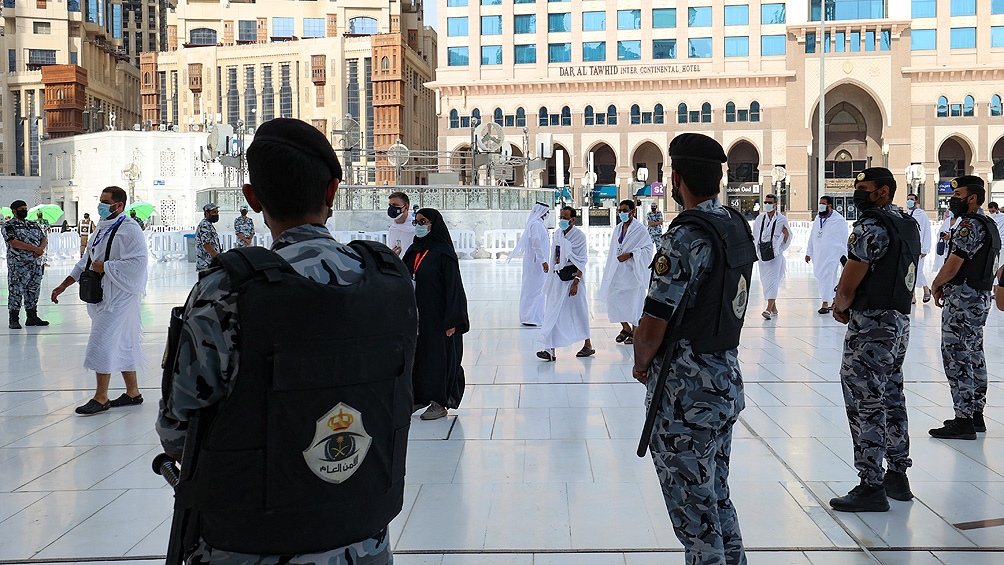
column 737, row 15
column 542, row 117
column 525, row 2
column 594, row 51
column 559, row 22
column 611, row 115
column 963, row 38
column 706, row 113
column 699, row 17
column 942, row 107
column 247, row 30
column 924, row 8
column 663, row 18
column 681, row 114
column 206, row 36
column 497, row 116
column 457, row 56
column 628, row 50
column 737, row 46
column 313, row 27
column 491, row 54
column 772, row 45
column 969, row 107
column 772, row 14
column 525, row 54
column 963, row 7
column 525, row 23
column 664, row 49
column 955, row 110
column 587, row 116
column 810, row 43
column 363, row 26
column 117, row 21
column 869, row 41
column 840, row 44
column 491, row 25
column 559, row 52
column 848, row 10
column 454, row 119
column 628, row 19
column 997, row 6
column 282, row 27
column 456, row 27
column 566, row 116
column 997, row 36
column 594, row 21
column 491, row 2
column 921, row 40
column 456, row 2
column 12, row 60
column 635, row 115
column 730, row 112
column 855, row 41
column 699, row 47
column 995, row 105
column 754, row 111
column 520, row 117
column 885, row 42
column 659, row 114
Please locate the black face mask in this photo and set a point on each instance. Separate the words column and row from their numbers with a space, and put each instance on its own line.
column 675, row 193
column 23, row 214
column 214, row 218
column 958, row 206
column 244, row 214
column 393, row 211
column 863, row 200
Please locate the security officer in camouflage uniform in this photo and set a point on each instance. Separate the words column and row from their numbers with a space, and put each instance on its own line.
column 244, row 228
column 26, row 242
column 963, row 288
column 207, row 240
column 873, row 299
column 699, row 289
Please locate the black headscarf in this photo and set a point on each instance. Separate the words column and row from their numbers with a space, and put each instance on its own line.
column 438, row 240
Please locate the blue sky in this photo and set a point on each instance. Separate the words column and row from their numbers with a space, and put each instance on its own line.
column 431, row 13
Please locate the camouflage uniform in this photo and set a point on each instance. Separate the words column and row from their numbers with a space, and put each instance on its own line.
column 691, row 442
column 139, row 221
column 243, row 226
column 871, row 373
column 208, row 362
column 962, row 320
column 205, row 234
column 655, row 232
column 24, row 270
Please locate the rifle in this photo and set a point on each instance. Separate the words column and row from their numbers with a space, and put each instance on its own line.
column 660, row 383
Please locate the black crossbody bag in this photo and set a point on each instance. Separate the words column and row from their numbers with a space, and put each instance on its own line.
column 90, row 281
column 767, row 247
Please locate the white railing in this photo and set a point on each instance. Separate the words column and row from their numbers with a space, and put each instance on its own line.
column 500, row 242
column 465, row 242
column 167, row 245
column 64, row 245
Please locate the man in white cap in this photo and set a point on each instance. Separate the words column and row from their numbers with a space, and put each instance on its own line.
column 244, row 228
column 207, row 241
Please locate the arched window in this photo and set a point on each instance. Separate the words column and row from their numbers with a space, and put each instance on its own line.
column 147, row 78
column 730, row 111
column 497, row 115
column 363, row 26
column 681, row 113
column 706, row 113
column 996, row 109
column 385, row 63
column 587, row 116
column 566, row 116
column 754, row 111
column 942, row 107
column 476, row 115
column 659, row 114
column 202, row 36
column 520, row 117
column 635, row 115
column 454, row 119
column 611, row 115
column 969, row 107
column 542, row 117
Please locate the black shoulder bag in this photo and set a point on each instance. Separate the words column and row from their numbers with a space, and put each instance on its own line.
column 90, row 281
column 766, row 247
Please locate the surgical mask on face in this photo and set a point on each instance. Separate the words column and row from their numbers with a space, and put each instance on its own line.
column 564, row 224
column 911, row 203
column 958, row 206
column 863, row 199
column 214, row 218
column 23, row 214
column 421, row 231
column 768, row 207
column 822, row 208
column 104, row 210
column 951, row 215
column 624, row 216
column 393, row 211
column 677, row 197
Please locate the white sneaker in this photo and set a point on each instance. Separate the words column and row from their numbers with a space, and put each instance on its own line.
column 434, row 412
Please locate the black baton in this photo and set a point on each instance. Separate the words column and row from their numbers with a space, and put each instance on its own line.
column 660, row 383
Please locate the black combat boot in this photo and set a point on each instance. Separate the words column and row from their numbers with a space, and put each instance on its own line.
column 959, row 428
column 979, row 424
column 15, row 323
column 862, row 498
column 897, row 486
column 32, row 319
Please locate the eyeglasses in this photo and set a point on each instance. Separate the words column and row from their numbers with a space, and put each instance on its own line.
column 422, row 222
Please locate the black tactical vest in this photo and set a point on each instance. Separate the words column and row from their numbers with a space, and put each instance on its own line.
column 307, row 453
column 714, row 319
column 890, row 281
column 978, row 271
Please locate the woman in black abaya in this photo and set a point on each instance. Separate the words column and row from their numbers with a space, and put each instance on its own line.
column 442, row 316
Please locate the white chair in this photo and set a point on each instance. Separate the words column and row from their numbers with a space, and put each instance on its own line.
column 498, row 242
column 465, row 242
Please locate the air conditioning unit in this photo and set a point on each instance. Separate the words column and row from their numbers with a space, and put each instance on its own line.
column 137, row 127
column 196, row 127
column 162, row 127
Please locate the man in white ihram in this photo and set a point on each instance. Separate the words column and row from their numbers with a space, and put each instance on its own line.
column 773, row 238
column 566, row 314
column 626, row 276
column 827, row 244
column 924, row 224
column 533, row 246
column 114, row 343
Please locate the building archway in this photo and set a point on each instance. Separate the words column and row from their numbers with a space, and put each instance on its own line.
column 605, row 167
column 551, row 171
column 460, row 163
column 510, row 174
column 648, row 156
column 955, row 158
column 743, row 178
column 997, row 160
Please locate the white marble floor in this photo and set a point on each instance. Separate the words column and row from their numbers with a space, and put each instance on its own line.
column 538, row 466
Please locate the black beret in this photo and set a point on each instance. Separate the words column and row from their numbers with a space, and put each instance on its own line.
column 967, row 181
column 875, row 174
column 17, row 204
column 300, row 136
column 696, row 147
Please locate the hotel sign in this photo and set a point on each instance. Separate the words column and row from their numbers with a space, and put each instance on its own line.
column 626, row 70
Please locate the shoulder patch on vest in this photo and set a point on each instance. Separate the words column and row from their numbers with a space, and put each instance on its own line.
column 339, row 446
column 661, row 265
column 742, row 298
column 852, row 238
column 911, row 277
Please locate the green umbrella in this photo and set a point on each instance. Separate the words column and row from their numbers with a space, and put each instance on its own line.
column 143, row 210
column 6, row 212
column 50, row 212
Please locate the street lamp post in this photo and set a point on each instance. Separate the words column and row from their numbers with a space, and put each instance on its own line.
column 821, row 157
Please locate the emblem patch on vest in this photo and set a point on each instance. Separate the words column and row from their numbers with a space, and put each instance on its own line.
column 661, row 265
column 911, row 277
column 741, row 299
column 339, row 446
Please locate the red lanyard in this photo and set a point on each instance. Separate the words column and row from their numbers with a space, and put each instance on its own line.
column 418, row 261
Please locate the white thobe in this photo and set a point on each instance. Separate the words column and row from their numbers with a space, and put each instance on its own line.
column 946, row 227
column 625, row 284
column 998, row 219
column 401, row 235
column 771, row 272
column 116, row 332
column 566, row 318
column 924, row 224
column 531, row 295
column 827, row 244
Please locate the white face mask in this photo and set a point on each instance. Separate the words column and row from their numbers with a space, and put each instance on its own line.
column 822, row 208
column 768, row 207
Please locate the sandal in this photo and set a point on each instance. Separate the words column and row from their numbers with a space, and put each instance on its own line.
column 585, row 352
column 622, row 336
column 927, row 297
column 629, row 340
column 765, row 314
column 546, row 355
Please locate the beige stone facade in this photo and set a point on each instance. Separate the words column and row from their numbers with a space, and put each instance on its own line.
column 316, row 61
column 741, row 72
